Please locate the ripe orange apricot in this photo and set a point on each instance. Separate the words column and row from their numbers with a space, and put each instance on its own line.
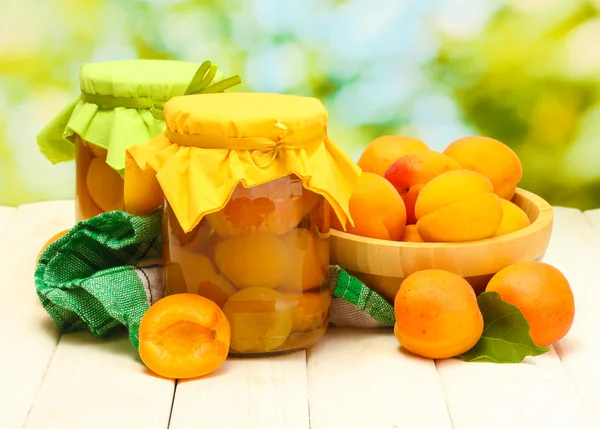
column 513, row 218
column 411, row 234
column 184, row 336
column 543, row 295
column 382, row 151
column 105, row 186
column 491, row 158
column 49, row 242
column 458, row 205
column 437, row 315
column 411, row 172
column 377, row 209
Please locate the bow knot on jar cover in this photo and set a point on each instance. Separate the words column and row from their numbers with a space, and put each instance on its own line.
column 250, row 182
column 120, row 104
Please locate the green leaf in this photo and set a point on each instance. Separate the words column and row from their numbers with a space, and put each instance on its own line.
column 505, row 337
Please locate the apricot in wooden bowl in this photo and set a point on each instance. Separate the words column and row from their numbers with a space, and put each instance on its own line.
column 383, row 264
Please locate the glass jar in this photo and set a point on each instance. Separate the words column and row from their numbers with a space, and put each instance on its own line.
column 120, row 106
column 250, row 183
column 264, row 259
column 98, row 187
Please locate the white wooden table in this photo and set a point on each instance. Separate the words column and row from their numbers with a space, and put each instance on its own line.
column 352, row 379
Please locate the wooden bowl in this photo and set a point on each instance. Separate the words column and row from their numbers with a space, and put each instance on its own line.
column 383, row 264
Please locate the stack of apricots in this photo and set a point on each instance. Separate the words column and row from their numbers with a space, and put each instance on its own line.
column 411, row 193
column 407, row 192
column 99, row 187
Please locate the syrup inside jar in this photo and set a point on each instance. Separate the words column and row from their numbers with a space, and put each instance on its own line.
column 264, row 259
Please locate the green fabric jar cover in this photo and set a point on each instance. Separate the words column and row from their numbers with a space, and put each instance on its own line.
column 120, row 105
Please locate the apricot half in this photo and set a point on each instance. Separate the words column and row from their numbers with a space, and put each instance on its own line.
column 184, row 336
column 201, row 276
column 254, row 260
column 274, row 207
column 261, row 320
column 105, row 186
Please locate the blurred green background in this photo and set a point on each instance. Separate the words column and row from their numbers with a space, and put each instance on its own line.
column 526, row 72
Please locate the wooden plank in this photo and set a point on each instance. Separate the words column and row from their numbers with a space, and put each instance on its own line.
column 5, row 215
column 246, row 393
column 360, row 378
column 27, row 331
column 541, row 391
column 100, row 383
column 89, row 383
column 593, row 217
column 575, row 250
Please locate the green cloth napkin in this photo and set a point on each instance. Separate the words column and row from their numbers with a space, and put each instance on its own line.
column 106, row 272
column 102, row 274
column 120, row 105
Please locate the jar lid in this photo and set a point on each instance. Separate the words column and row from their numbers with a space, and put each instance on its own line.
column 155, row 79
column 121, row 105
column 244, row 115
column 214, row 142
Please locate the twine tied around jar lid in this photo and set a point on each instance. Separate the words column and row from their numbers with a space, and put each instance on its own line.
column 264, row 150
column 200, row 84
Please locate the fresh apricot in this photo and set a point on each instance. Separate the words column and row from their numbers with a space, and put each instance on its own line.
column 310, row 310
column 412, row 171
column 253, row 260
column 105, row 186
column 458, row 205
column 49, row 242
column 451, row 187
column 437, row 315
column 261, row 320
column 184, row 336
column 309, row 260
column 475, row 218
column 275, row 207
column 513, row 218
column 382, row 151
column 377, row 209
column 544, row 296
column 411, row 234
column 490, row 157
column 201, row 276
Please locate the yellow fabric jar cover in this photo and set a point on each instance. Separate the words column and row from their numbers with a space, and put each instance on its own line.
column 215, row 141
